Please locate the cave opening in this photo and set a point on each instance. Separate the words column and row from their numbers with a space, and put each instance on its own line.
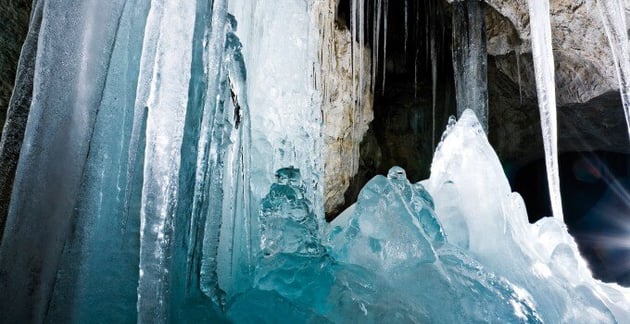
column 409, row 117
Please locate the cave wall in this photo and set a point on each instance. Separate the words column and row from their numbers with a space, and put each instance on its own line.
column 14, row 16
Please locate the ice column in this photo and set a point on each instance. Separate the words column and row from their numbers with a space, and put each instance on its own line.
column 542, row 53
column 470, row 59
column 613, row 16
column 73, row 56
column 167, row 57
column 99, row 265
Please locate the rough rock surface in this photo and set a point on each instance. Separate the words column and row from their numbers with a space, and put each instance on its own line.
column 590, row 116
column 14, row 16
column 345, row 121
column 584, row 66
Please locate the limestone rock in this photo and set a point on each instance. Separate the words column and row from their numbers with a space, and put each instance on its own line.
column 345, row 121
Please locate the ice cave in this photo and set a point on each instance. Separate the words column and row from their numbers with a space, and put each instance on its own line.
column 315, row 161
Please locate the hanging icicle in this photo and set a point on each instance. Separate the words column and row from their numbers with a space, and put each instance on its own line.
column 614, row 19
column 542, row 53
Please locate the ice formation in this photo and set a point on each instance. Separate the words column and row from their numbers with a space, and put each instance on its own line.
column 431, row 251
column 542, row 54
column 469, row 58
column 614, row 21
column 154, row 134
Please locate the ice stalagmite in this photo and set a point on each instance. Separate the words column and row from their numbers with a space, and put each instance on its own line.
column 470, row 58
column 542, row 53
column 614, row 19
column 477, row 209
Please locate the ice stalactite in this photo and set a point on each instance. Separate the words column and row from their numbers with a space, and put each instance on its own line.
column 168, row 48
column 434, row 73
column 542, row 53
column 385, row 15
column 208, row 193
column 614, row 19
column 416, row 53
column 470, row 58
column 406, row 9
column 376, row 40
column 517, row 54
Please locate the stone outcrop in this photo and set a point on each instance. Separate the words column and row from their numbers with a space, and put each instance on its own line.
column 345, row 120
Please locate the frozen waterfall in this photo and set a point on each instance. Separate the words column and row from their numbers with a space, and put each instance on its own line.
column 172, row 170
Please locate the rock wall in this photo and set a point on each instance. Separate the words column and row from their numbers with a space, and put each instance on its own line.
column 590, row 116
column 345, row 120
column 14, row 15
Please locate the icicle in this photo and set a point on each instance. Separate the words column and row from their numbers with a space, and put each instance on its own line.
column 434, row 70
column 208, row 193
column 427, row 36
column 353, row 49
column 385, row 9
column 415, row 68
column 359, row 98
column 361, row 41
column 469, row 59
column 376, row 41
column 517, row 53
column 613, row 16
column 164, row 132
column 355, row 85
column 406, row 28
column 545, row 85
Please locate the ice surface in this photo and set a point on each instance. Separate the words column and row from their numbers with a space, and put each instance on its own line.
column 544, row 68
column 99, row 264
column 77, row 51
